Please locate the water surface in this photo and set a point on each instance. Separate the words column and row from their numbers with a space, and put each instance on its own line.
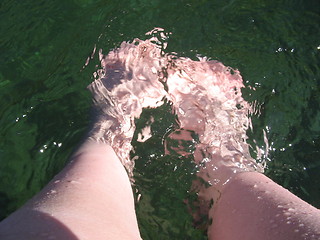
column 44, row 102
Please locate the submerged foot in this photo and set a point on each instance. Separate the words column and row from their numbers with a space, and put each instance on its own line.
column 127, row 83
column 207, row 99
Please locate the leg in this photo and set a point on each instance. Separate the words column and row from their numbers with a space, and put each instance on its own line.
column 90, row 199
column 247, row 204
column 252, row 206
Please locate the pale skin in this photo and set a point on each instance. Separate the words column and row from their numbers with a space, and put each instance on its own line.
column 91, row 198
column 252, row 206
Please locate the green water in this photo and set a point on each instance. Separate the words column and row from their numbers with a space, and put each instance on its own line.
column 44, row 102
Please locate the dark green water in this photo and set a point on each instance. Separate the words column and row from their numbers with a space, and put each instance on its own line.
column 44, row 103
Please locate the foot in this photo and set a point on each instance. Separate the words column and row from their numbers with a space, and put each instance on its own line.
column 207, row 99
column 127, row 83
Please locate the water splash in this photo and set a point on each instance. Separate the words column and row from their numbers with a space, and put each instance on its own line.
column 205, row 95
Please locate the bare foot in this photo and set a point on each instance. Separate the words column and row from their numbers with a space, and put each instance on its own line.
column 207, row 99
column 127, row 82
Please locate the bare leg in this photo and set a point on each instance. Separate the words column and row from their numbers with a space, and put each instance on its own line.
column 90, row 199
column 252, row 206
column 247, row 204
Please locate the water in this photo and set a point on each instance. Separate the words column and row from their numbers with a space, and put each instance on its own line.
column 44, row 102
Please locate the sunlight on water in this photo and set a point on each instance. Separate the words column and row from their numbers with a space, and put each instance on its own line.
column 44, row 104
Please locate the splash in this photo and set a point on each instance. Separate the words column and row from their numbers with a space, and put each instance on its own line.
column 205, row 95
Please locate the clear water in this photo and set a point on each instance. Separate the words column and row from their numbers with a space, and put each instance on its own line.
column 44, row 110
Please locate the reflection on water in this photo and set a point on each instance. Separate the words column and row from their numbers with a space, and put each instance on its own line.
column 44, row 46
